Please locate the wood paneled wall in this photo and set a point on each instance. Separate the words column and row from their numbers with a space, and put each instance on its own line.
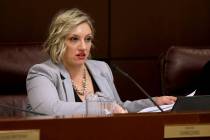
column 131, row 33
column 142, row 30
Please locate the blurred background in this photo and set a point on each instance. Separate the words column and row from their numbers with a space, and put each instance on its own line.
column 132, row 34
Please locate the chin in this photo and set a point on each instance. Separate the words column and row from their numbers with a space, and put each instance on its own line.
column 81, row 62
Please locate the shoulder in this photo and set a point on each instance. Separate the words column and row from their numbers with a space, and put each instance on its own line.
column 47, row 68
column 47, row 65
column 100, row 68
column 98, row 65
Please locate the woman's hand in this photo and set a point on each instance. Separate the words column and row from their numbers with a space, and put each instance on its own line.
column 164, row 100
column 118, row 109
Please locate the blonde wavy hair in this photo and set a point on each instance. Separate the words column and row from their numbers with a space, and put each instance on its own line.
column 62, row 24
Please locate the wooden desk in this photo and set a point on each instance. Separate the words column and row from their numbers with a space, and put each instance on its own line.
column 148, row 126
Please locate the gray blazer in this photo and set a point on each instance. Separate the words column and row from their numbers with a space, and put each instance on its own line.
column 50, row 91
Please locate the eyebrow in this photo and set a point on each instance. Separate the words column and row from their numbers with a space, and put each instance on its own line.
column 79, row 35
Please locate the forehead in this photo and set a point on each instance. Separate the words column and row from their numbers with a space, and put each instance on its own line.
column 81, row 29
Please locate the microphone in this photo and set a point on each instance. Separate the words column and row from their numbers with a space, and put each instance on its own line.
column 137, row 85
column 21, row 110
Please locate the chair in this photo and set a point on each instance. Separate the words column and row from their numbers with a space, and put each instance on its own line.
column 181, row 68
column 15, row 61
column 11, row 105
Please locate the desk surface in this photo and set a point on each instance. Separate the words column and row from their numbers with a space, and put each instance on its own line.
column 144, row 126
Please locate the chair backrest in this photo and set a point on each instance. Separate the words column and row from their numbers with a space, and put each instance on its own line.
column 13, row 105
column 15, row 61
column 180, row 69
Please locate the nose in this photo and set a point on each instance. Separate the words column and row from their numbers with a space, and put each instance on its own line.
column 82, row 45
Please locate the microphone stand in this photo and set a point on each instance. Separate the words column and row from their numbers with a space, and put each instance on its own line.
column 139, row 87
column 21, row 110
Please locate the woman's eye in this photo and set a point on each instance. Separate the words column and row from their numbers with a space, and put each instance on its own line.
column 89, row 39
column 73, row 39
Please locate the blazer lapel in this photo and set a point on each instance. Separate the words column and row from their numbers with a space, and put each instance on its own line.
column 100, row 80
column 98, row 76
column 67, row 84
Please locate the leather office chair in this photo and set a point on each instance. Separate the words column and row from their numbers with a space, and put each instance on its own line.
column 15, row 61
column 181, row 68
column 12, row 105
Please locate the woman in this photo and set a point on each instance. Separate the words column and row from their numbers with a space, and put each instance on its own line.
column 59, row 86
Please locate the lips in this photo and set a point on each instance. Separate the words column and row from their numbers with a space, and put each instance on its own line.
column 81, row 55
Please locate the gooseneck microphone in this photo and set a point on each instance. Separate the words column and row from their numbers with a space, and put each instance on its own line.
column 135, row 83
column 21, row 110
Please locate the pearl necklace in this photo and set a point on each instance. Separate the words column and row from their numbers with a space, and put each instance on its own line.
column 82, row 91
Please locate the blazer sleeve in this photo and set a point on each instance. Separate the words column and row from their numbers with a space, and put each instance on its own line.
column 131, row 106
column 43, row 96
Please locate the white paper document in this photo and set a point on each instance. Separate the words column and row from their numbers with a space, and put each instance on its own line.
column 155, row 109
column 163, row 107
